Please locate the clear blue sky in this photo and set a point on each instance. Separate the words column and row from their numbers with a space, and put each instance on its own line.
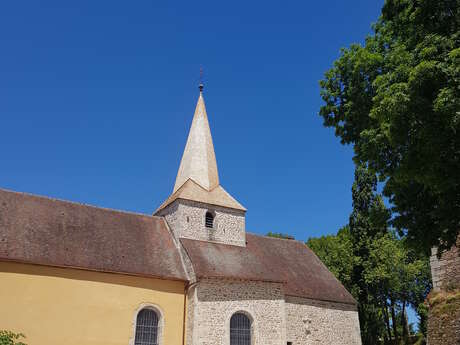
column 96, row 99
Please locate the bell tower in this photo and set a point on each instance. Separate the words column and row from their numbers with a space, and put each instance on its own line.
column 199, row 208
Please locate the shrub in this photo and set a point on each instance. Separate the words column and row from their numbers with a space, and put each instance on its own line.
column 10, row 338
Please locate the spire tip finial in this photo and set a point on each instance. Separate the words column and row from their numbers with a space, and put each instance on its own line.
column 201, row 86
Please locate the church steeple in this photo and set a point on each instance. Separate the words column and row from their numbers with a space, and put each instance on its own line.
column 199, row 160
column 199, row 207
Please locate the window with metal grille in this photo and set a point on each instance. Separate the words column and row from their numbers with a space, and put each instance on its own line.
column 209, row 220
column 146, row 328
column 240, row 330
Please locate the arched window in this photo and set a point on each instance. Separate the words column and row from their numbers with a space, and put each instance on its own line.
column 209, row 220
column 146, row 327
column 240, row 330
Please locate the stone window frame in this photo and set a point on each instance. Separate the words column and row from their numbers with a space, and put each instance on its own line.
column 161, row 321
column 249, row 314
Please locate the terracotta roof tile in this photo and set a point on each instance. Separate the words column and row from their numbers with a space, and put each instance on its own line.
column 59, row 233
column 268, row 259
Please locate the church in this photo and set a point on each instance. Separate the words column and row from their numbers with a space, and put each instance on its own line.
column 190, row 274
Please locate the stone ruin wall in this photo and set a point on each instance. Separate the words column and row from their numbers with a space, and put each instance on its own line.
column 444, row 300
column 445, row 272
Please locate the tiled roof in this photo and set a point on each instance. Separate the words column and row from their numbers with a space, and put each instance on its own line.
column 190, row 190
column 52, row 232
column 268, row 259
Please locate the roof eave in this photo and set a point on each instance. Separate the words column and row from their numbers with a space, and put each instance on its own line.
column 101, row 270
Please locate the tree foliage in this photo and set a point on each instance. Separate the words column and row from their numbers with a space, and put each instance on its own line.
column 397, row 100
column 280, row 235
column 10, row 338
column 383, row 274
column 397, row 279
column 336, row 252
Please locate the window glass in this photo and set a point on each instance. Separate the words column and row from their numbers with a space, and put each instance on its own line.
column 146, row 328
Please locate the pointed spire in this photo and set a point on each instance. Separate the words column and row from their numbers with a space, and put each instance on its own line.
column 199, row 160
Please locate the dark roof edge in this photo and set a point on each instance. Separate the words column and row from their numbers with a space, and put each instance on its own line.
column 321, row 300
column 242, row 279
column 3, row 259
column 279, row 282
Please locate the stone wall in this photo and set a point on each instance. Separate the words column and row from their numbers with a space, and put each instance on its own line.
column 316, row 322
column 217, row 300
column 444, row 317
column 187, row 220
column 445, row 272
column 276, row 319
column 444, row 300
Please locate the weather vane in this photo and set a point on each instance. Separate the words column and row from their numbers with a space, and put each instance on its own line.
column 201, row 79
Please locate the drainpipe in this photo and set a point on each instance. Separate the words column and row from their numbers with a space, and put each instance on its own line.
column 186, row 289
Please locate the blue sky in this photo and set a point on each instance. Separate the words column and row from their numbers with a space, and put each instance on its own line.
column 96, row 98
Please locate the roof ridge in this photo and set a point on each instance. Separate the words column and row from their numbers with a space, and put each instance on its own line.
column 199, row 185
column 78, row 203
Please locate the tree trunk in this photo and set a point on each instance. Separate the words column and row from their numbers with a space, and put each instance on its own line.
column 393, row 318
column 387, row 319
column 404, row 324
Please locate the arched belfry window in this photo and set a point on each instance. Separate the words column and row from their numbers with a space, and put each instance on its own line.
column 240, row 329
column 209, row 220
column 146, row 327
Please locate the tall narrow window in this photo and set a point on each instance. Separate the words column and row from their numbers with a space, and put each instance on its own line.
column 209, row 220
column 240, row 330
column 146, row 328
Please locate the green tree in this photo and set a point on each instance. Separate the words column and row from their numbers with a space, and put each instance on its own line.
column 10, row 338
column 376, row 266
column 397, row 100
column 336, row 252
column 368, row 220
column 398, row 279
column 280, row 235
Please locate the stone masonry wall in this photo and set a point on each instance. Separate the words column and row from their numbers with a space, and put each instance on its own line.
column 444, row 318
column 316, row 322
column 217, row 300
column 444, row 300
column 187, row 220
column 445, row 272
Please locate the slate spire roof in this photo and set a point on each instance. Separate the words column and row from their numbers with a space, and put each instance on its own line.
column 198, row 176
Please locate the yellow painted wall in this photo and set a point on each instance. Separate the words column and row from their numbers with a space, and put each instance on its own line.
column 75, row 307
